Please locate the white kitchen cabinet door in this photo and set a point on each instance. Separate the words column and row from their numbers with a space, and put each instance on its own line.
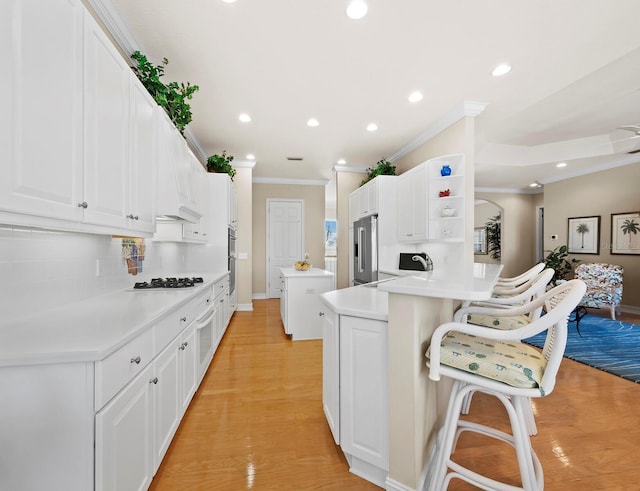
column 175, row 196
column 412, row 205
column 41, row 127
column 187, row 357
column 124, row 438
column 364, row 419
column 106, row 142
column 167, row 407
column 331, row 371
column 142, row 170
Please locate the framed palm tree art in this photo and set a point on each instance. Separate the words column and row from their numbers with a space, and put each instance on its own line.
column 625, row 233
column 584, row 235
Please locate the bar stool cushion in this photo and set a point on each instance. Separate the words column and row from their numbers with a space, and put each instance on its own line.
column 513, row 363
column 504, row 323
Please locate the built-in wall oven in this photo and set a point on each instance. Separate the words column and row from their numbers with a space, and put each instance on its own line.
column 232, row 260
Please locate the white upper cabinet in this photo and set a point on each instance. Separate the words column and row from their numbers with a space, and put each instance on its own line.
column 176, row 164
column 364, row 201
column 106, row 153
column 41, row 128
column 412, row 205
column 79, row 138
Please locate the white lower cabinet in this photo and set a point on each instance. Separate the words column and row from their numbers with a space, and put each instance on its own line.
column 331, row 371
column 134, row 430
column 355, row 392
column 124, row 438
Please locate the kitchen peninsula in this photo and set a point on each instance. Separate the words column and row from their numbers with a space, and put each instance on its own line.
column 391, row 321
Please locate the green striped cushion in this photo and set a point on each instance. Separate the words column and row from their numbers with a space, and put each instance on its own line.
column 513, row 363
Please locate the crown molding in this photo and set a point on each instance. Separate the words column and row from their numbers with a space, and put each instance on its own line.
column 467, row 108
column 509, row 190
column 348, row 168
column 627, row 160
column 248, row 164
column 297, row 182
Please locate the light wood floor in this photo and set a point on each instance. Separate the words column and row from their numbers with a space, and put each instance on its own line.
column 257, row 423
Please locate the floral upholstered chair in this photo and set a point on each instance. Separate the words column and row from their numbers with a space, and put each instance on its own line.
column 604, row 286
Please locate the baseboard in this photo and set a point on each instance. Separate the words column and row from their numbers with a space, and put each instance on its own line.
column 244, row 307
column 259, row 296
column 393, row 485
column 630, row 309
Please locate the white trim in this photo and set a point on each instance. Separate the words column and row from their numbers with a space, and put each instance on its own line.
column 300, row 182
column 631, row 159
column 508, row 190
column 467, row 108
column 259, row 296
column 249, row 164
column 244, row 307
column 393, row 485
column 539, row 224
column 348, row 168
column 630, row 309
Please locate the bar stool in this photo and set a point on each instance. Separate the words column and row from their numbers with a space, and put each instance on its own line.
column 497, row 363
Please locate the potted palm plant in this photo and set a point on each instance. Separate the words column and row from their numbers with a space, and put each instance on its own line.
column 557, row 260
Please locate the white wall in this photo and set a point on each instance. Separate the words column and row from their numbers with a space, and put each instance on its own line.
column 41, row 269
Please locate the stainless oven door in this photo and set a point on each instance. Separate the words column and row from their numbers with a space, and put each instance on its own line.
column 232, row 261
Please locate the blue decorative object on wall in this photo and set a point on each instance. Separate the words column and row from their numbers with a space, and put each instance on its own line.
column 446, row 170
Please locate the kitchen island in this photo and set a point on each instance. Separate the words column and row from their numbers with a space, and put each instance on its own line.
column 410, row 407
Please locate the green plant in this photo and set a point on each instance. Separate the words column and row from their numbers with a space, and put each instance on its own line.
column 493, row 236
column 383, row 168
column 172, row 96
column 557, row 260
column 221, row 164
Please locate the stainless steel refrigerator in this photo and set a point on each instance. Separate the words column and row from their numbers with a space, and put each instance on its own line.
column 365, row 250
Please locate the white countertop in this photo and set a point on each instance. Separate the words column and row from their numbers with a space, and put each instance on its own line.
column 292, row 272
column 358, row 301
column 457, row 282
column 91, row 329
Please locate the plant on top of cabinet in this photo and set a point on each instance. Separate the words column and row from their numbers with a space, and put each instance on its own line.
column 221, row 164
column 383, row 168
column 172, row 96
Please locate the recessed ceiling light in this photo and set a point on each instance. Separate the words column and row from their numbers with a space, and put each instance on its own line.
column 372, row 127
column 535, row 184
column 250, row 156
column 501, row 70
column 342, row 162
column 313, row 122
column 228, row 1
column 561, row 164
column 415, row 96
column 357, row 9
column 244, row 117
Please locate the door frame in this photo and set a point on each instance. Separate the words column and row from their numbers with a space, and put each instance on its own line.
column 539, row 244
column 268, row 242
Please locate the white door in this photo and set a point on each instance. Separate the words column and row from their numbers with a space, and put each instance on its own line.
column 285, row 239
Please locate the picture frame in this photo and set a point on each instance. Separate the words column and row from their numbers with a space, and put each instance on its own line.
column 583, row 235
column 480, row 240
column 625, row 233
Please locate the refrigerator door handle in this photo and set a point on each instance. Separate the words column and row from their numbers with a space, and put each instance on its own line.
column 360, row 251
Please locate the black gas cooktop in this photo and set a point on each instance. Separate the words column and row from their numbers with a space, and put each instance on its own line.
column 156, row 283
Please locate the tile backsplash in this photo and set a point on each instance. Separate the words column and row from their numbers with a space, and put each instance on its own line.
column 41, row 269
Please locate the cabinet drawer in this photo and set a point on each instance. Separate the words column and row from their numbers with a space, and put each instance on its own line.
column 220, row 285
column 173, row 324
column 115, row 371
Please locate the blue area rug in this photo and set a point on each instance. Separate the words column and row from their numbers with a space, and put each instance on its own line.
column 611, row 346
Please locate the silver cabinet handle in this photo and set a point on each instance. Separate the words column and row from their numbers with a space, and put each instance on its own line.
column 183, row 319
column 136, row 360
column 132, row 217
column 154, row 380
column 83, row 205
column 321, row 314
column 184, row 345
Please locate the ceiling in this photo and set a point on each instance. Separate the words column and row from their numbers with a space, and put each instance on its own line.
column 575, row 78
